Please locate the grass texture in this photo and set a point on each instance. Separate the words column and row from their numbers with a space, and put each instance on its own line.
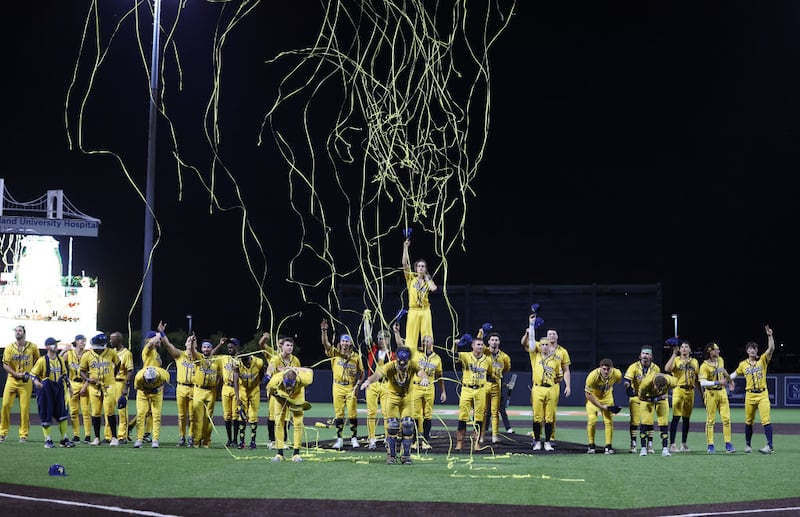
column 619, row 481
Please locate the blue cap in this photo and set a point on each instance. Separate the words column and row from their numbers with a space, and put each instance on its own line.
column 57, row 470
column 234, row 341
column 403, row 354
column 346, row 337
column 79, row 337
column 50, row 341
column 151, row 334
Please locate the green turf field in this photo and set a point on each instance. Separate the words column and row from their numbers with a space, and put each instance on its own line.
column 619, row 481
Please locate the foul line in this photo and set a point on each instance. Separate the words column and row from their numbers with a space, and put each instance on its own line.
column 87, row 505
column 735, row 512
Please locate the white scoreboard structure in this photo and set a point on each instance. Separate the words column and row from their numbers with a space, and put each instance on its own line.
column 36, row 291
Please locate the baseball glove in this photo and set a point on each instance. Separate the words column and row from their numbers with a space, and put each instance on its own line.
column 614, row 409
column 122, row 402
column 630, row 391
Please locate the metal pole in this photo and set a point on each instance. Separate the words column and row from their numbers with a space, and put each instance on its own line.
column 150, row 186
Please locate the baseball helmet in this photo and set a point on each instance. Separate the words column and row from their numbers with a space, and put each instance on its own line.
column 100, row 341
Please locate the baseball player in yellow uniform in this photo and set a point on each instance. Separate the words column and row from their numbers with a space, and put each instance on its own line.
column 476, row 368
column 49, row 375
column 599, row 392
column 754, row 369
column 151, row 357
column 501, row 364
column 380, row 353
column 419, row 285
column 545, row 368
column 422, row 397
column 98, row 370
column 149, row 383
column 348, row 372
column 79, row 406
column 18, row 359
column 230, row 395
column 683, row 367
column 184, row 375
column 288, row 388
column 122, row 381
column 284, row 359
column 632, row 380
column 714, row 379
column 247, row 380
column 399, row 406
column 653, row 391
column 561, row 354
column 207, row 374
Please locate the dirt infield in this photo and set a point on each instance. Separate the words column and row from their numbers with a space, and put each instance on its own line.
column 26, row 500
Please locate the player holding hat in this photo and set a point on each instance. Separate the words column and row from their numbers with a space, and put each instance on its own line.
column 348, row 372
column 49, row 376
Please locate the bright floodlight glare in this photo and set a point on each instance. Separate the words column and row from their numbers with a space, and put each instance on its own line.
column 39, row 273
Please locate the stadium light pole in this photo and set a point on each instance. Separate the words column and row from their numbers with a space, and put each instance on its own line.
column 150, row 185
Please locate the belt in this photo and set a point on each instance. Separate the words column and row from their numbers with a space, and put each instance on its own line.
column 203, row 387
column 543, row 385
column 755, row 391
column 229, row 384
column 344, row 383
column 653, row 399
column 475, row 386
column 688, row 387
column 186, row 384
column 715, row 389
column 77, row 379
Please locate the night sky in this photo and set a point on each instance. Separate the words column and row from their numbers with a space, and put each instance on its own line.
column 628, row 144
